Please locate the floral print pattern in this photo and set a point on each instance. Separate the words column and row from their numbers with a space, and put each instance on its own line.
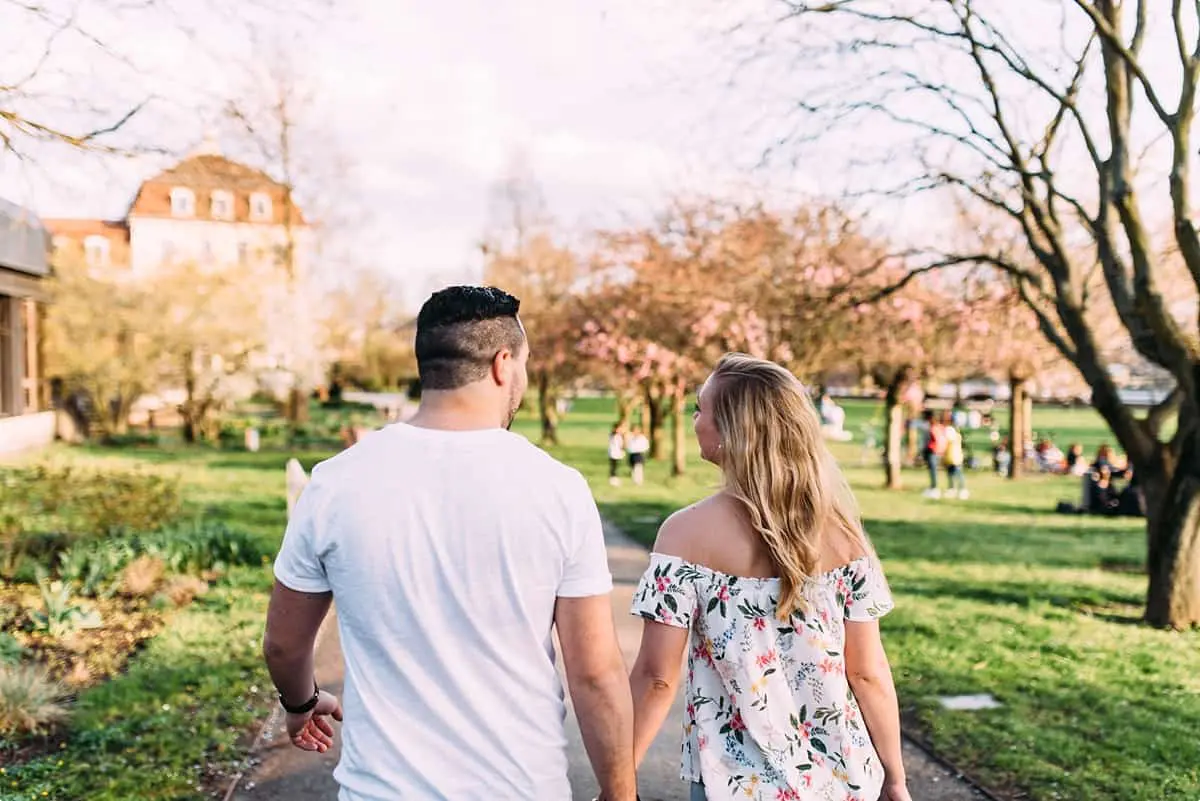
column 770, row 715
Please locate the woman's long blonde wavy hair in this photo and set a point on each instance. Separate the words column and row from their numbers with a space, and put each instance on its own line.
column 776, row 464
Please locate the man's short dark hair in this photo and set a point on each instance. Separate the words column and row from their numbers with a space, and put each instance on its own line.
column 459, row 332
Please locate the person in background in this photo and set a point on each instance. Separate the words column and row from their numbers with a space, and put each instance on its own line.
column 953, row 458
column 616, row 454
column 1106, row 457
column 1102, row 495
column 1076, row 464
column 931, row 450
column 773, row 592
column 1050, row 458
column 1001, row 458
column 638, row 445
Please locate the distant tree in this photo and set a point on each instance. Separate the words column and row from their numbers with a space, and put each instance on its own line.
column 100, row 340
column 523, row 256
column 208, row 332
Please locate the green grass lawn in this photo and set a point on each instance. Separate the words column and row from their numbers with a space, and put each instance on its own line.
column 995, row 595
column 177, row 721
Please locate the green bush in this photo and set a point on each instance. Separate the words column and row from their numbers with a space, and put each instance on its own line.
column 44, row 510
column 11, row 650
column 95, row 567
column 59, row 616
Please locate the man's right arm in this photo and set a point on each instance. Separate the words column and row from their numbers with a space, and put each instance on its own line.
column 600, row 691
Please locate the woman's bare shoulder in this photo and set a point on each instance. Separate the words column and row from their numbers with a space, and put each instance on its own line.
column 841, row 547
column 685, row 532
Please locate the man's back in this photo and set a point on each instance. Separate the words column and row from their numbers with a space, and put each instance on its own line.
column 445, row 552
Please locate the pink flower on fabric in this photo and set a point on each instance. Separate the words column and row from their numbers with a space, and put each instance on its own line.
column 723, row 593
column 805, row 729
column 737, row 724
column 663, row 583
column 766, row 659
column 760, row 623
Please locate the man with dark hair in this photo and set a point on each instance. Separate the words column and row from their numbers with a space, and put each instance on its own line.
column 453, row 548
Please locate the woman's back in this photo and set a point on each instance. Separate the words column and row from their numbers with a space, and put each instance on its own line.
column 769, row 708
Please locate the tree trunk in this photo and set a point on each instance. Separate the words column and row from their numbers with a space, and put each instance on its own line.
column 297, row 406
column 679, row 430
column 188, row 409
column 547, row 408
column 655, row 406
column 1173, row 540
column 894, row 421
column 1017, row 425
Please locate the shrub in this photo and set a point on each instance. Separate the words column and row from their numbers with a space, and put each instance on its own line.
column 59, row 616
column 44, row 510
column 11, row 650
column 182, row 590
column 141, row 577
column 28, row 702
column 202, row 545
column 96, row 567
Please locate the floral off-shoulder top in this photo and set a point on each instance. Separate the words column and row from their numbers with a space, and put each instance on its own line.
column 770, row 715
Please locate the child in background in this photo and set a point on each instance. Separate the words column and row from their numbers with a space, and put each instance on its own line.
column 616, row 454
column 952, row 458
column 637, row 446
column 931, row 448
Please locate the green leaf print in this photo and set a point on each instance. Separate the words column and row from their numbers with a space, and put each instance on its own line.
column 712, row 604
column 671, row 603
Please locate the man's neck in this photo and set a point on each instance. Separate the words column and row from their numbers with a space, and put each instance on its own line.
column 454, row 411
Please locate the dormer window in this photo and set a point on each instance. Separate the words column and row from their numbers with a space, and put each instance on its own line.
column 222, row 205
column 183, row 202
column 260, row 207
column 96, row 252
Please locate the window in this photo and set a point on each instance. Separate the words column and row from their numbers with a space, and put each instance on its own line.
column 222, row 205
column 183, row 202
column 260, row 207
column 95, row 250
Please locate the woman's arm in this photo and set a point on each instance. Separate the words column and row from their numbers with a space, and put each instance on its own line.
column 654, row 681
column 870, row 678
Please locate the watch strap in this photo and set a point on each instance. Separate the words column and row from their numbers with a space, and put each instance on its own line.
column 304, row 708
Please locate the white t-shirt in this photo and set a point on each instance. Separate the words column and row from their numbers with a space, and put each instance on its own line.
column 445, row 552
column 638, row 443
column 616, row 446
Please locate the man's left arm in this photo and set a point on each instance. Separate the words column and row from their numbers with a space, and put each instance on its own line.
column 299, row 603
column 293, row 620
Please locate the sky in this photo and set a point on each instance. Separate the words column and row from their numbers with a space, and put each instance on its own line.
column 415, row 111
column 418, row 110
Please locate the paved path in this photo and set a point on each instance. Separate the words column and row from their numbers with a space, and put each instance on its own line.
column 282, row 773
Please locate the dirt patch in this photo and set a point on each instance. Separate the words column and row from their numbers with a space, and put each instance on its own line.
column 84, row 657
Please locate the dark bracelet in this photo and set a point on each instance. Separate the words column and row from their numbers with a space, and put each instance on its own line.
column 304, row 708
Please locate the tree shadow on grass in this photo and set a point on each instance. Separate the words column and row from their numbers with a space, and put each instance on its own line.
column 1073, row 597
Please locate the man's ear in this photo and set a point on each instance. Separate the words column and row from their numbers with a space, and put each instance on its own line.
column 501, row 364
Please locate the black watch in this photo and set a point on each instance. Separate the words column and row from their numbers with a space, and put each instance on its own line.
column 304, row 708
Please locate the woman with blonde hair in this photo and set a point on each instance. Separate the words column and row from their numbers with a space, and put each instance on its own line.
column 772, row 588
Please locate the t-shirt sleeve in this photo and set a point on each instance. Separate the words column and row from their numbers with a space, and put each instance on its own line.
column 298, row 565
column 865, row 590
column 586, row 570
column 666, row 593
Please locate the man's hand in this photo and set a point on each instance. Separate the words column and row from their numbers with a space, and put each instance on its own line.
column 895, row 791
column 312, row 731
